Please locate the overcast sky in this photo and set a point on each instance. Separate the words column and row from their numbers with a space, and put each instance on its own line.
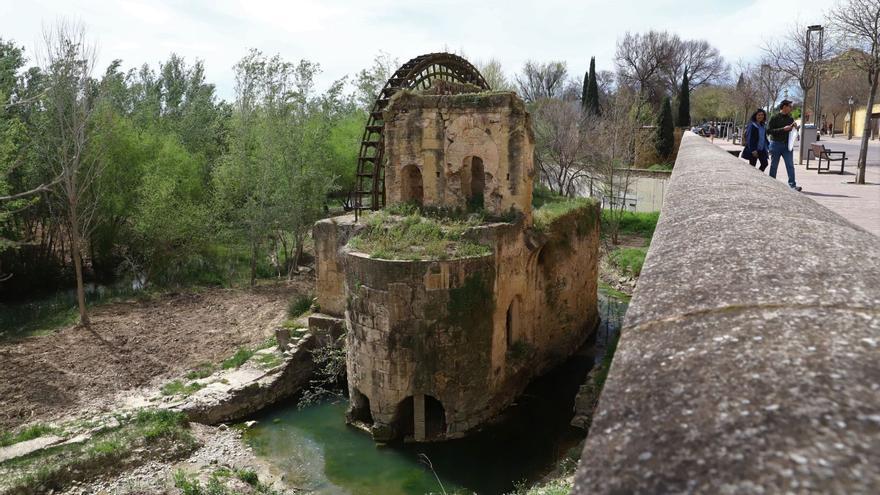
column 345, row 36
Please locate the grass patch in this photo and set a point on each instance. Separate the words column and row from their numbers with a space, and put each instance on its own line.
column 629, row 260
column 415, row 237
column 611, row 291
column 240, row 357
column 552, row 210
column 145, row 434
column 661, row 167
column 269, row 360
column 216, row 484
column 631, row 222
column 177, row 387
column 203, row 370
column 31, row 432
column 300, row 306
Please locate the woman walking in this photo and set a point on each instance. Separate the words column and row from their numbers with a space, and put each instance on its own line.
column 756, row 142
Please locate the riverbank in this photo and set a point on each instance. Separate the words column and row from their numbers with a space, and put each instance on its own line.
column 134, row 346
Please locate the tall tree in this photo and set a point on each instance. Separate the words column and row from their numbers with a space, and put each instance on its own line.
column 494, row 75
column 70, row 100
column 665, row 142
column 796, row 54
column 542, row 80
column 703, row 62
column 857, row 22
column 640, row 60
column 591, row 91
column 684, row 102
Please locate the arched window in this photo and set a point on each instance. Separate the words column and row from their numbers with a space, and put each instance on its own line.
column 478, row 184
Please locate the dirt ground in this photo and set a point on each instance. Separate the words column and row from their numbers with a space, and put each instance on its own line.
column 134, row 344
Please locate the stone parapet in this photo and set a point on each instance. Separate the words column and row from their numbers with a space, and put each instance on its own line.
column 749, row 358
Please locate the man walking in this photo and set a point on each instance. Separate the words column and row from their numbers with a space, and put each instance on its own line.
column 780, row 126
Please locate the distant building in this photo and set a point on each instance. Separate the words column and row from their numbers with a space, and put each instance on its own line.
column 858, row 123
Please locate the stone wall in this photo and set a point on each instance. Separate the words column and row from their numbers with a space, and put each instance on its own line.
column 432, row 141
column 748, row 361
column 469, row 333
column 330, row 237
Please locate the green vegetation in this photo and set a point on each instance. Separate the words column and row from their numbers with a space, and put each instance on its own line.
column 177, row 387
column 188, row 484
column 146, row 433
column 629, row 260
column 203, row 370
column 549, row 212
column 300, row 306
column 240, row 357
column 661, row 167
column 29, row 433
column 560, row 486
column 415, row 237
column 635, row 223
column 181, row 187
column 604, row 287
column 269, row 360
column 684, row 102
column 665, row 140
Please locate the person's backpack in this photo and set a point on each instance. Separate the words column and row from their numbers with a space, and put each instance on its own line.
column 745, row 152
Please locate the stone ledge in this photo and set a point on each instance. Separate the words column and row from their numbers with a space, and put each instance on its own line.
column 748, row 361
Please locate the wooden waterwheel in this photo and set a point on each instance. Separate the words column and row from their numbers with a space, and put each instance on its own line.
column 418, row 73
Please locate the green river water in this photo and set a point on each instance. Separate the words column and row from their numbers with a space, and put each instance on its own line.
column 319, row 453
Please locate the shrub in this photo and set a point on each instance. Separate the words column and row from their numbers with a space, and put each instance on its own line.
column 300, row 306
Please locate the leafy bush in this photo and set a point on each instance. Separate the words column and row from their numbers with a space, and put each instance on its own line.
column 299, row 306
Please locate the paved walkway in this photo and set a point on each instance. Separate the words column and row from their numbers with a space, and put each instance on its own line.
column 860, row 204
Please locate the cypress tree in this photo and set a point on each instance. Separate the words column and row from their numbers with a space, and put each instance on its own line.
column 585, row 91
column 591, row 91
column 684, row 102
column 665, row 131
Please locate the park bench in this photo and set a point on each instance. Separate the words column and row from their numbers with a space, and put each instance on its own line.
column 822, row 153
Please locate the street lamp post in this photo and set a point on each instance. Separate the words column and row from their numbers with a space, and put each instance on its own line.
column 851, row 116
column 818, row 58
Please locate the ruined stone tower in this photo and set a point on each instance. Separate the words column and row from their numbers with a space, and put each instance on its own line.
column 436, row 347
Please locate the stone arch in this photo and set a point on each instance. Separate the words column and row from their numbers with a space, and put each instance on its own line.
column 468, row 138
column 435, row 418
column 404, row 418
column 412, row 190
column 360, row 408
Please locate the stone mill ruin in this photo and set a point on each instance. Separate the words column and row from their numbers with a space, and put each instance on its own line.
column 439, row 345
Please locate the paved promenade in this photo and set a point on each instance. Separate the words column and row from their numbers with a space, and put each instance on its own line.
column 860, row 204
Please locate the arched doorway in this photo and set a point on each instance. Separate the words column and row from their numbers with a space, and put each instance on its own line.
column 412, row 190
column 435, row 418
column 360, row 408
column 473, row 182
column 404, row 418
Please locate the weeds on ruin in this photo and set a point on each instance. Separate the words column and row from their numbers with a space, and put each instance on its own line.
column 241, row 356
column 329, row 374
column 415, row 237
column 177, row 387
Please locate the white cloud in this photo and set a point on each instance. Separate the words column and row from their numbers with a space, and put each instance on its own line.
column 344, row 36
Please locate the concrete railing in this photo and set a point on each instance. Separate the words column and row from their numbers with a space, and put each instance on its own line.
column 749, row 360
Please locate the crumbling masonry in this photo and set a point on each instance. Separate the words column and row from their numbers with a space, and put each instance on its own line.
column 436, row 348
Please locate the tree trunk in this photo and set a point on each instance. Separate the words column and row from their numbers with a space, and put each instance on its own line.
column 866, row 131
column 78, row 269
